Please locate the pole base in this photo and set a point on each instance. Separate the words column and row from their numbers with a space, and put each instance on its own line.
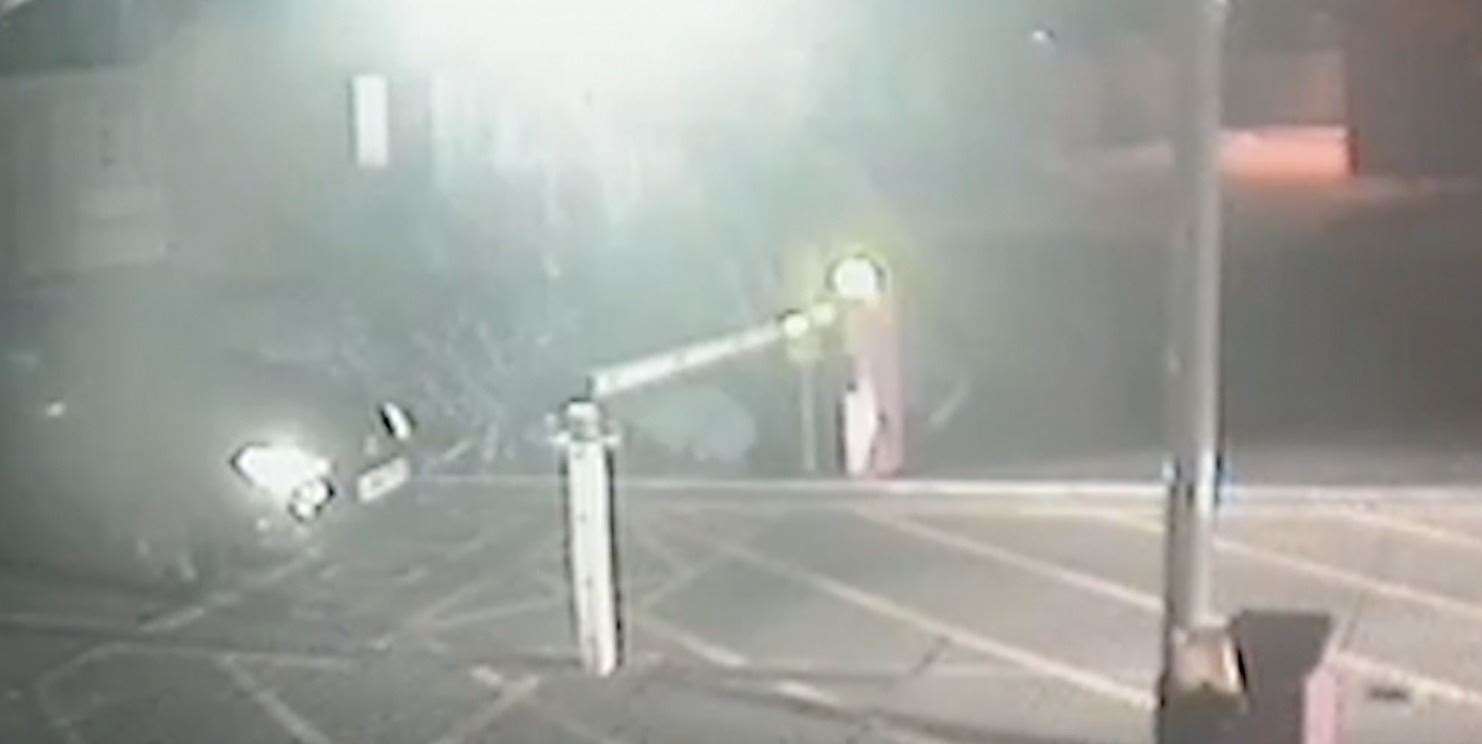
column 1288, row 695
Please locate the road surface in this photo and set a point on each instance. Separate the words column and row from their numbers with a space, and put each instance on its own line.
column 752, row 616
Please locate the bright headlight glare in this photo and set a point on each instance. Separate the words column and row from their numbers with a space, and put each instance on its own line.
column 858, row 278
column 279, row 469
column 795, row 325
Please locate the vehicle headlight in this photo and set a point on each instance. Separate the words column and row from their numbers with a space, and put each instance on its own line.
column 794, row 324
column 279, row 469
column 858, row 278
column 309, row 499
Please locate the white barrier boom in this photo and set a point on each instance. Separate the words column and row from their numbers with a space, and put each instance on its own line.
column 587, row 446
column 622, row 378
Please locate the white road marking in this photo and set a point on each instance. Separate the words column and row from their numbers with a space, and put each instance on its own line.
column 905, row 736
column 711, row 652
column 1388, row 589
column 1421, row 685
column 47, row 621
column 939, row 670
column 944, row 413
column 1044, row 569
column 661, row 550
column 1417, row 682
column 454, row 452
column 489, row 677
column 570, row 725
column 1050, row 489
column 721, row 656
column 1084, row 679
column 1409, row 494
column 1241, row 495
column 679, row 581
column 506, row 571
column 486, row 676
column 192, row 613
column 61, row 722
column 807, row 693
column 484, row 539
column 267, row 699
column 283, row 659
column 1408, row 528
column 1004, row 671
column 493, row 614
column 510, row 695
column 793, row 689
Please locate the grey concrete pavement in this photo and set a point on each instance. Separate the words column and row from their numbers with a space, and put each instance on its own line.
column 442, row 618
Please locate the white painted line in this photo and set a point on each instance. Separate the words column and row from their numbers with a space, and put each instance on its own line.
column 487, row 676
column 192, row 613
column 1041, row 568
column 505, row 571
column 730, row 659
column 267, row 699
column 510, row 695
column 48, row 622
column 484, row 539
column 59, row 721
column 999, row 488
column 678, row 582
column 570, row 725
column 1409, row 528
column 1240, row 495
column 1084, row 679
column 493, row 614
column 1422, row 684
column 454, row 452
column 1007, row 488
column 1379, row 587
column 807, row 693
column 1418, row 493
column 282, row 659
column 485, row 479
column 1004, row 671
column 927, row 505
column 805, row 668
column 63, row 723
column 944, row 413
column 661, row 550
column 905, row 736
column 688, row 575
column 711, row 652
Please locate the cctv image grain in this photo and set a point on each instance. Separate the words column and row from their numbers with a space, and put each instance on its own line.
column 825, row 371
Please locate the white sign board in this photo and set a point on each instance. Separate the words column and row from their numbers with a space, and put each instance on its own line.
column 370, row 121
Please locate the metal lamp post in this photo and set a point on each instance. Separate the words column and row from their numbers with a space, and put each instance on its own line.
column 1261, row 677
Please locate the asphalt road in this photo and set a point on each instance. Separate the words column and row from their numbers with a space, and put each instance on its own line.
column 751, row 616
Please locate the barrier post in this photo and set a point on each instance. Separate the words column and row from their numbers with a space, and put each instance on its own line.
column 587, row 448
column 872, row 408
